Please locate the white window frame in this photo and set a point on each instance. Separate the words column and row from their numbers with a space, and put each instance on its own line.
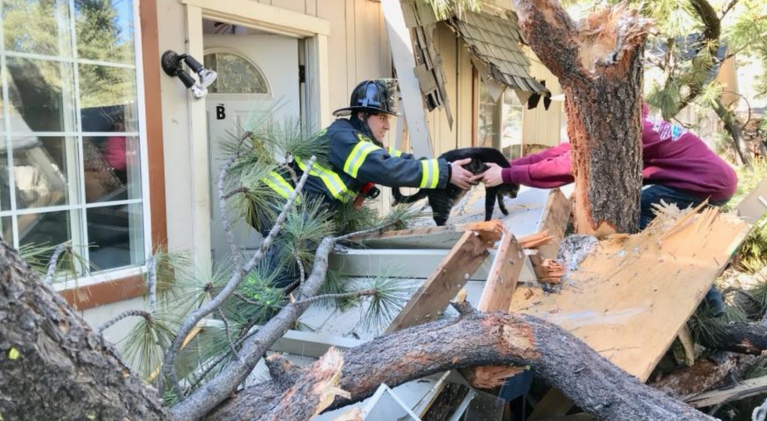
column 81, row 205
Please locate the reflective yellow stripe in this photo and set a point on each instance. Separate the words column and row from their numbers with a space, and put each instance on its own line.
column 277, row 183
column 435, row 173
column 357, row 157
column 429, row 173
column 394, row 152
column 332, row 181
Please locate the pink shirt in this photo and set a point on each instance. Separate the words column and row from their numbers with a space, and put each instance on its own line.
column 672, row 157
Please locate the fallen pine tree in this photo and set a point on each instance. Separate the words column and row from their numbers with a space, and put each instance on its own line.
column 55, row 366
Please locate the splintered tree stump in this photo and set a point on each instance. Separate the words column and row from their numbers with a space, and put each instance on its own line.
column 476, row 339
column 599, row 65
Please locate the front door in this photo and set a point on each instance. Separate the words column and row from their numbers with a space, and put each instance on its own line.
column 256, row 74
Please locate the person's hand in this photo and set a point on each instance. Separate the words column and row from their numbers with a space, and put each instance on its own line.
column 460, row 176
column 491, row 177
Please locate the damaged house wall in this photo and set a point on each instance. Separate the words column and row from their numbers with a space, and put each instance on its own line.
column 462, row 84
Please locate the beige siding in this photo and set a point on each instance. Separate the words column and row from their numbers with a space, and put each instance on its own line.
column 541, row 126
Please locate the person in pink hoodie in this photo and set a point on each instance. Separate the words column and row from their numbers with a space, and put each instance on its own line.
column 678, row 167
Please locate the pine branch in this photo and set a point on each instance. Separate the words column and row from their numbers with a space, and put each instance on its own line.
column 246, row 299
column 228, row 334
column 222, row 206
column 236, row 278
column 301, row 270
column 355, row 294
column 61, row 248
column 211, row 394
column 291, row 171
column 238, row 190
column 727, row 8
column 124, row 315
column 152, row 283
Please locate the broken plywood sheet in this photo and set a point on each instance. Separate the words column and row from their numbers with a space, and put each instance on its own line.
column 629, row 298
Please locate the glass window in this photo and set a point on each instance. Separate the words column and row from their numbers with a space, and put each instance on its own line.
column 500, row 122
column 236, row 74
column 70, row 153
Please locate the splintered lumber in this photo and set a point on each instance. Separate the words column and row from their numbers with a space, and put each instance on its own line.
column 535, row 240
column 556, row 216
column 447, row 279
column 630, row 297
column 476, row 338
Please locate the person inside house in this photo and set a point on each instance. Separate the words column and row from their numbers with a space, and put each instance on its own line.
column 679, row 168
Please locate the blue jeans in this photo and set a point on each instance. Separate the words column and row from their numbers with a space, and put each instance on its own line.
column 682, row 199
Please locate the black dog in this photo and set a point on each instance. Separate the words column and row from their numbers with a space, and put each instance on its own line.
column 443, row 200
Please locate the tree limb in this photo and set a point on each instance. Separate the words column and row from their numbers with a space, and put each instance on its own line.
column 237, row 276
column 128, row 313
column 593, row 383
column 61, row 248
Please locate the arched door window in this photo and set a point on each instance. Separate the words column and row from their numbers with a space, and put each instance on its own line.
column 236, row 74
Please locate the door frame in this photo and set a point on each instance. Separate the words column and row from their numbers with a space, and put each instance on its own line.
column 249, row 13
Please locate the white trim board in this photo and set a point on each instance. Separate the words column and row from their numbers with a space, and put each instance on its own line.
column 260, row 16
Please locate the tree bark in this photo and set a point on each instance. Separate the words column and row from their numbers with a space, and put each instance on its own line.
column 593, row 383
column 599, row 65
column 743, row 338
column 53, row 366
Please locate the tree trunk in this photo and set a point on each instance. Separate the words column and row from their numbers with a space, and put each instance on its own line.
column 599, row 65
column 475, row 339
column 53, row 366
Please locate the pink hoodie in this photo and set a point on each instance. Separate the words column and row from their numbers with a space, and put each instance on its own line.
column 672, row 156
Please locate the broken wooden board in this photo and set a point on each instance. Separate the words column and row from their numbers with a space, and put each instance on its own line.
column 443, row 237
column 503, row 277
column 630, row 297
column 556, row 216
column 745, row 389
column 446, row 280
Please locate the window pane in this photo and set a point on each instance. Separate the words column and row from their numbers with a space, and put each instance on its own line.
column 488, row 126
column 236, row 75
column 105, row 30
column 112, row 168
column 45, row 229
column 7, row 229
column 108, row 98
column 511, row 141
column 116, row 234
column 41, row 94
column 41, row 170
column 5, row 181
column 37, row 27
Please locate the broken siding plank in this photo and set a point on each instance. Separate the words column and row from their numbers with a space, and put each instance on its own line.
column 504, row 275
column 447, row 279
column 402, row 51
column 630, row 297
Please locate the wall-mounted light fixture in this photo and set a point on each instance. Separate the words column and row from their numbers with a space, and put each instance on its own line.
column 171, row 64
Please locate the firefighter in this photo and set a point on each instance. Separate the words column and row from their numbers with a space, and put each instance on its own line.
column 358, row 159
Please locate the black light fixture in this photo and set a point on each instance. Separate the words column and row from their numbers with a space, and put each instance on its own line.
column 171, row 64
